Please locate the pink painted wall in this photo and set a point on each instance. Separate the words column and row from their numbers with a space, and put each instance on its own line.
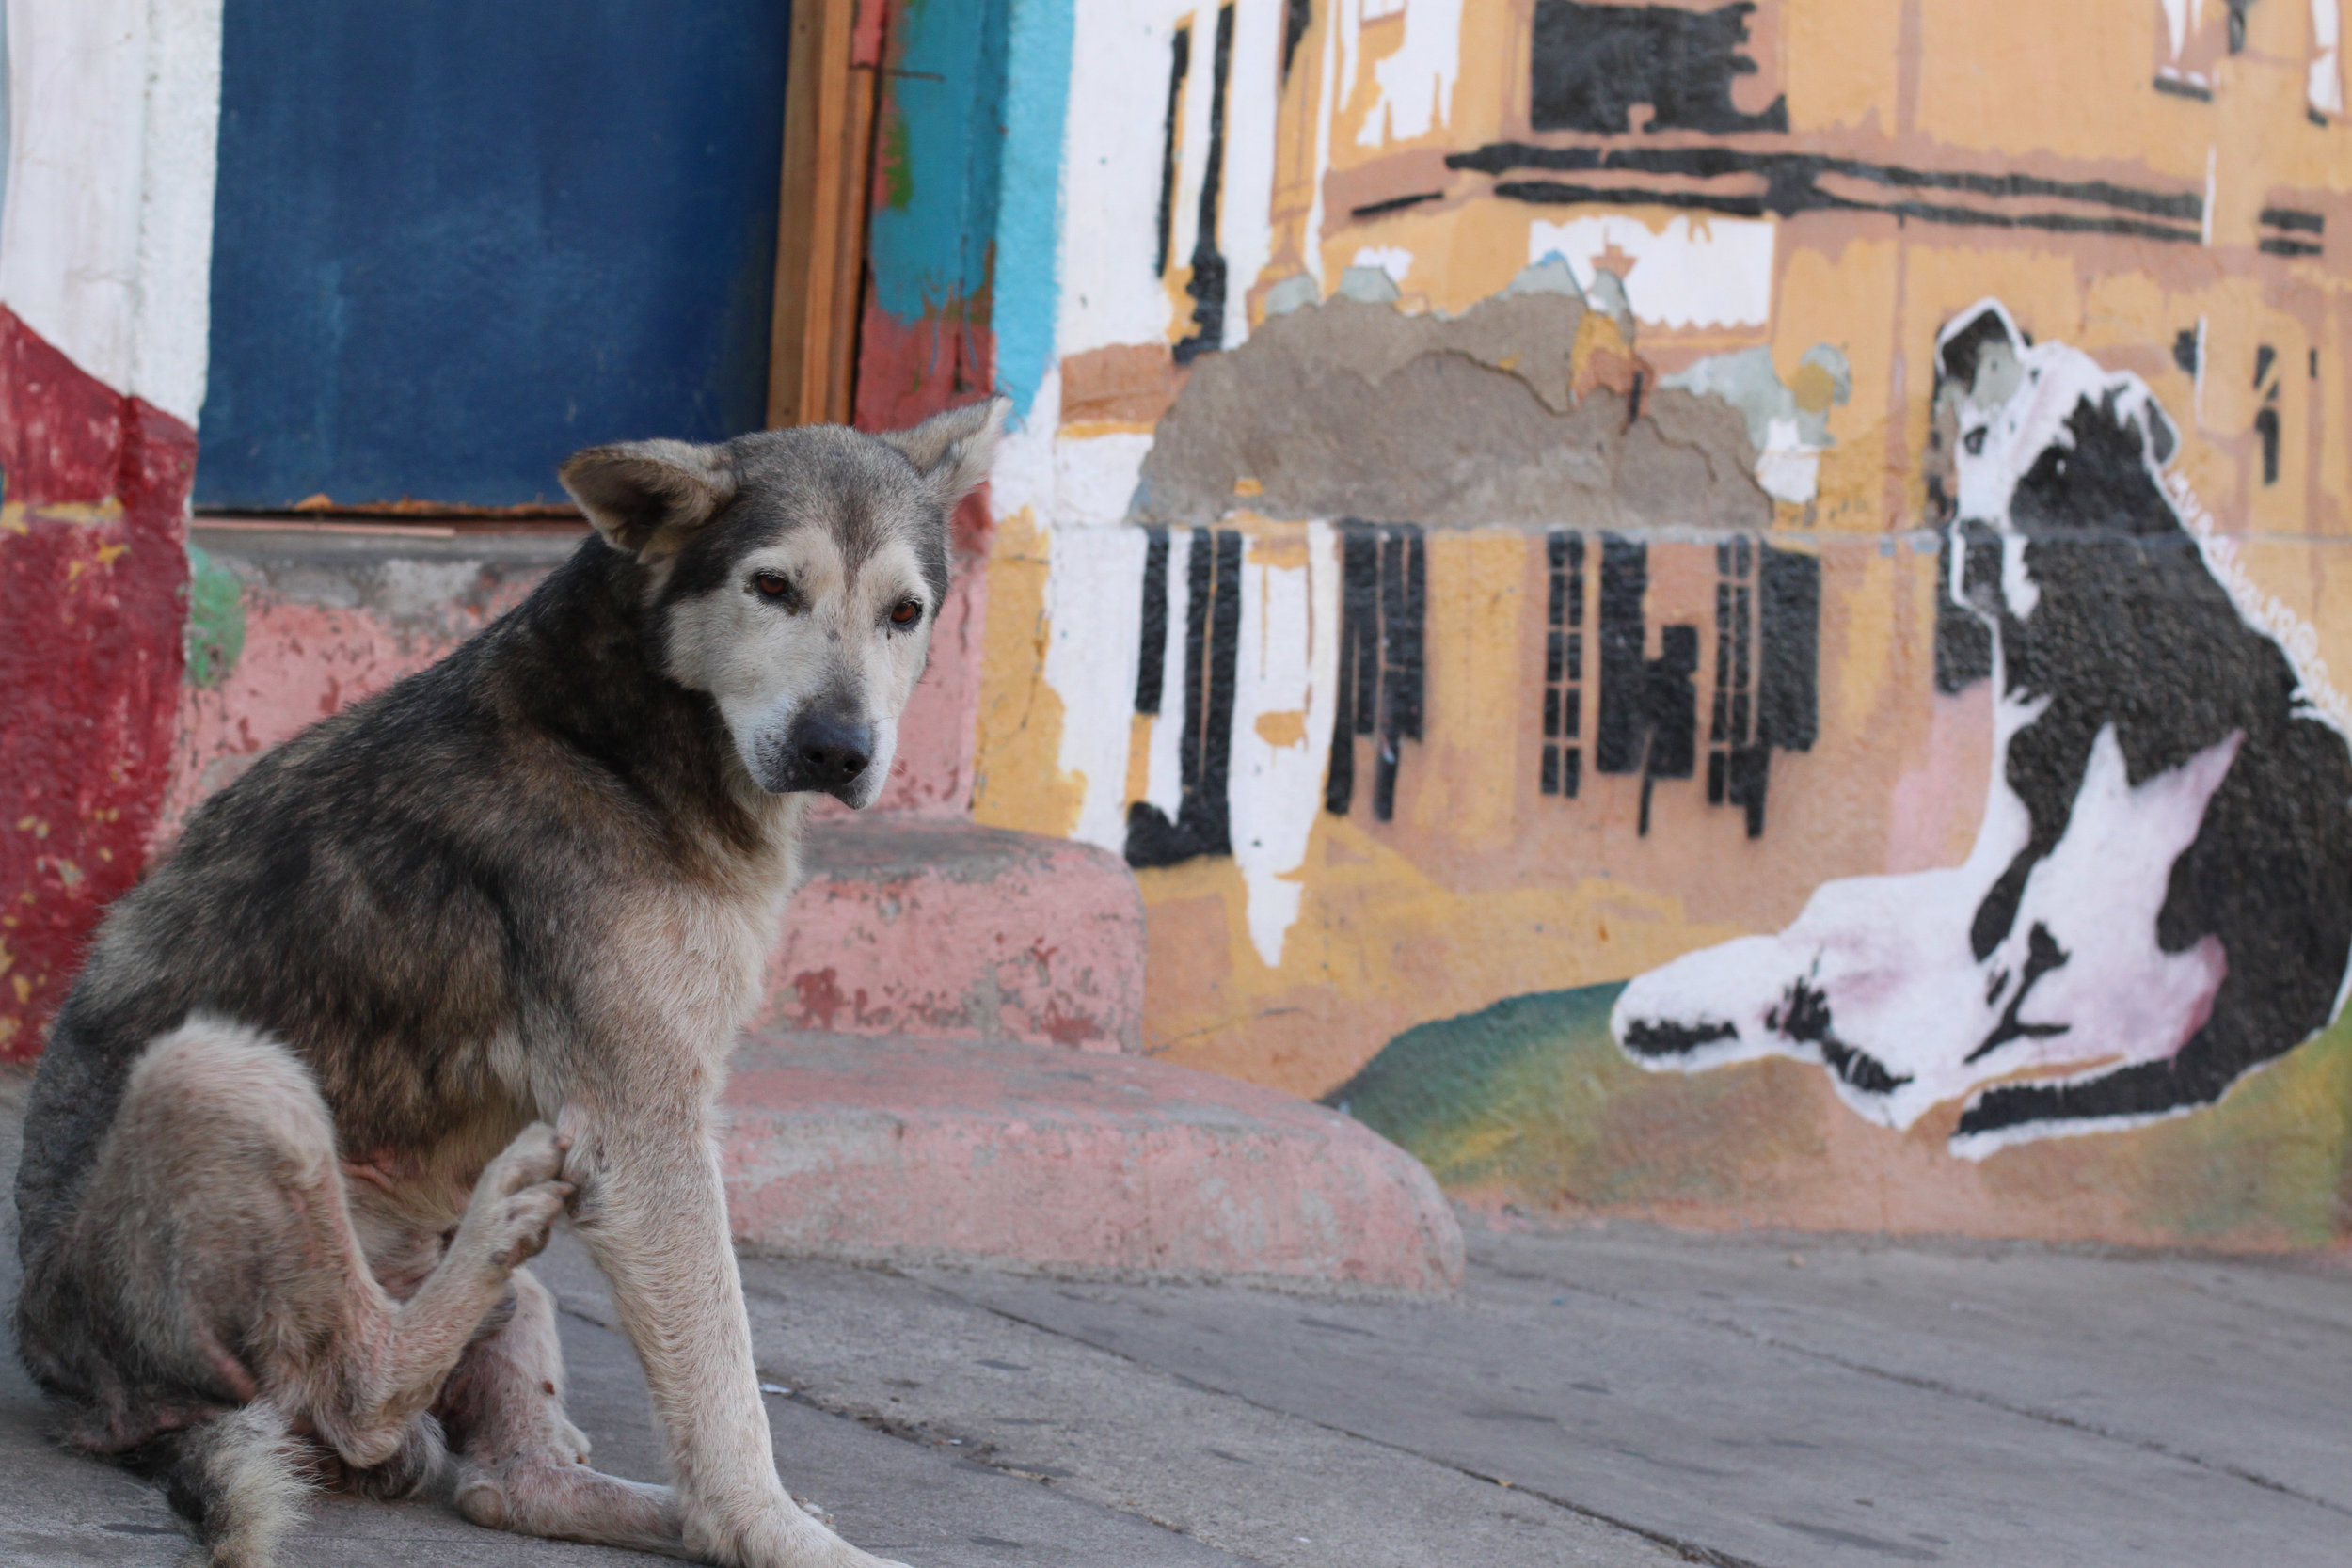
column 316, row 632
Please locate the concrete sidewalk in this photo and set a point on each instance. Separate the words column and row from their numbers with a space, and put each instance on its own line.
column 1616, row 1396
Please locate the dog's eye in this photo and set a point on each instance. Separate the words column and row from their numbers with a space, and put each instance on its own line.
column 772, row 585
column 906, row 612
column 1974, row 441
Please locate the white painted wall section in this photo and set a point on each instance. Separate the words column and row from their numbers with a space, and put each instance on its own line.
column 1119, row 58
column 1095, row 476
column 1416, row 83
column 2323, row 89
column 1245, row 212
column 1702, row 272
column 105, row 242
column 1095, row 608
column 1285, row 673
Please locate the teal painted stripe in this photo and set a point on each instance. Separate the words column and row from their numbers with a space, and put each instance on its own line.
column 1029, row 212
column 933, row 229
column 971, row 195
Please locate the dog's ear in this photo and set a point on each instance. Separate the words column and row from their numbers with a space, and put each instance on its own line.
column 2162, row 440
column 1964, row 344
column 645, row 497
column 953, row 450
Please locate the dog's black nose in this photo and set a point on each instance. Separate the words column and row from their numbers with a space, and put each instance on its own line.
column 833, row 751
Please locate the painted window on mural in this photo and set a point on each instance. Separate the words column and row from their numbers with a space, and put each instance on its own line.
column 2192, row 37
column 1192, row 260
column 1610, row 68
column 1192, row 587
column 2323, row 89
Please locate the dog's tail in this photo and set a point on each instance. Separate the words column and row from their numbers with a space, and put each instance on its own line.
column 237, row 1479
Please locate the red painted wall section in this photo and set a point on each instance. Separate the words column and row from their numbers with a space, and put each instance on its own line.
column 93, row 581
column 924, row 339
column 909, row 371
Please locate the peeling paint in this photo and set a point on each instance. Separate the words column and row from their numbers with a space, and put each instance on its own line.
column 1787, row 424
column 215, row 633
column 1288, row 671
column 1416, row 83
column 1687, row 272
column 1346, row 409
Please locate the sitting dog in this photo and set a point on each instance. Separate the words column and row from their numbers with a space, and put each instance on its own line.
column 2159, row 898
column 465, row 956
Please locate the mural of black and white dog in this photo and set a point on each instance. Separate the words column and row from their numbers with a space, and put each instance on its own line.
column 2159, row 898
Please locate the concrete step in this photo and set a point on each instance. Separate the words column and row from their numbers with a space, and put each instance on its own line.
column 906, row 1150
column 945, row 928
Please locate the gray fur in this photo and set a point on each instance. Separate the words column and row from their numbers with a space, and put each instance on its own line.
column 467, row 955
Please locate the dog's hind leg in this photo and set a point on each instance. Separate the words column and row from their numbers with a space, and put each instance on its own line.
column 523, row 1464
column 214, row 1243
column 393, row 1358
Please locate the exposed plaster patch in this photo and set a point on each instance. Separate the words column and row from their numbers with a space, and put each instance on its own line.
column 1552, row 275
column 1368, row 285
column 433, row 595
column 1787, row 423
column 1292, row 292
column 1354, row 410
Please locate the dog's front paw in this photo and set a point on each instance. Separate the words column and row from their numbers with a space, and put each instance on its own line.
column 516, row 1202
column 775, row 1533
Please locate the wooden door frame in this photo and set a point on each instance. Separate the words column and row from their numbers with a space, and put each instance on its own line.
column 831, row 94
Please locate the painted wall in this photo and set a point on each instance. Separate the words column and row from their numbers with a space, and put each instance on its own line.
column 104, row 235
column 141, row 671
column 1714, row 612
column 1720, row 613
column 285, row 627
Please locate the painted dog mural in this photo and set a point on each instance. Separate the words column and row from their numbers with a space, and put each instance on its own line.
column 2159, row 897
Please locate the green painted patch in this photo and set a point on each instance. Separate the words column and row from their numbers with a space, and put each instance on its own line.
column 1532, row 1094
column 1458, row 1091
column 2275, row 1155
column 216, row 630
column 1531, row 1097
column 898, row 172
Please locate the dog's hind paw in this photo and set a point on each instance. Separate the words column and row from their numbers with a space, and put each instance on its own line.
column 541, row 1495
column 517, row 1200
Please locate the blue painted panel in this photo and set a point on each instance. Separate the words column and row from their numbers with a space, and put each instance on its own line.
column 455, row 240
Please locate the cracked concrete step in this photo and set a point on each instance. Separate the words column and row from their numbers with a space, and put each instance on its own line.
column 910, row 1151
column 949, row 929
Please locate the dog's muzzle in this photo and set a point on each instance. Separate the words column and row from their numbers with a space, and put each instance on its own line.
column 825, row 753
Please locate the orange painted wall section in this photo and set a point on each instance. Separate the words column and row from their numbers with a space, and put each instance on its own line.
column 1740, row 646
